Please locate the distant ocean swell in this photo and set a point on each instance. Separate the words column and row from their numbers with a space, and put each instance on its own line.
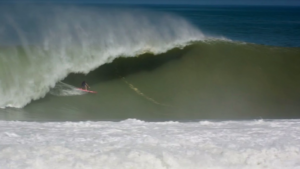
column 33, row 58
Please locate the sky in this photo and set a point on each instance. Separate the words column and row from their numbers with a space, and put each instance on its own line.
column 175, row 2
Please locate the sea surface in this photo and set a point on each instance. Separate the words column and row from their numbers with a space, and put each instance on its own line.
column 178, row 86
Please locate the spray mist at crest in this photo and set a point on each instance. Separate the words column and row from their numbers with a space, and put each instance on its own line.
column 42, row 45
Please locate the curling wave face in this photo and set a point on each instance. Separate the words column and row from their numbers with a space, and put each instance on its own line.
column 41, row 47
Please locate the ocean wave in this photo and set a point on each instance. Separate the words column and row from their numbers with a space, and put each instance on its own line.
column 72, row 40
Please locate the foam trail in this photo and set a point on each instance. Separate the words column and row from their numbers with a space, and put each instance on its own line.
column 63, row 89
column 59, row 41
column 136, row 90
column 142, row 145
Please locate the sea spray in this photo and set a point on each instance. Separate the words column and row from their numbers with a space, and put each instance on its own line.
column 63, row 89
column 56, row 41
column 136, row 144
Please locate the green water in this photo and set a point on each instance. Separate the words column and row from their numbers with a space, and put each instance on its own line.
column 216, row 80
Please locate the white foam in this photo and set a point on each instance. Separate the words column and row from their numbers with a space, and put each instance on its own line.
column 142, row 145
column 78, row 40
column 63, row 89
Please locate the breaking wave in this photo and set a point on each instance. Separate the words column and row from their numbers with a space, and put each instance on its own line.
column 41, row 47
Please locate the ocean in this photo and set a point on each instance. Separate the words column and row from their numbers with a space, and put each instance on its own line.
column 178, row 86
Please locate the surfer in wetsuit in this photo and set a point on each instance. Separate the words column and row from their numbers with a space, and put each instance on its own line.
column 84, row 85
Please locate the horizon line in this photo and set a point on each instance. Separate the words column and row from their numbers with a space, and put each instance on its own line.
column 128, row 3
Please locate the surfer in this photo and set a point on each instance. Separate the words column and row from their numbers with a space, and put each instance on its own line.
column 84, row 85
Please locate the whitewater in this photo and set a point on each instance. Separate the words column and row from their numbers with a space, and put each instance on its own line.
column 169, row 95
column 135, row 144
column 60, row 41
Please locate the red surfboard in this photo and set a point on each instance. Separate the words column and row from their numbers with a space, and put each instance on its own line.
column 89, row 91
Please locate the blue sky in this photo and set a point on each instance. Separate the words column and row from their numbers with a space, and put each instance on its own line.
column 198, row 2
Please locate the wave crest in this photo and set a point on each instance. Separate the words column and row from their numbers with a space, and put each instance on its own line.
column 65, row 40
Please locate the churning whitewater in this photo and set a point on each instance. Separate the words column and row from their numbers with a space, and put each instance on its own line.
column 36, row 52
column 134, row 144
column 162, row 85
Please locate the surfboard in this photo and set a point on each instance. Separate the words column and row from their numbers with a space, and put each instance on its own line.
column 89, row 91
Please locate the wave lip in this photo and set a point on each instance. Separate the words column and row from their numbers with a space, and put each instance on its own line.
column 67, row 40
